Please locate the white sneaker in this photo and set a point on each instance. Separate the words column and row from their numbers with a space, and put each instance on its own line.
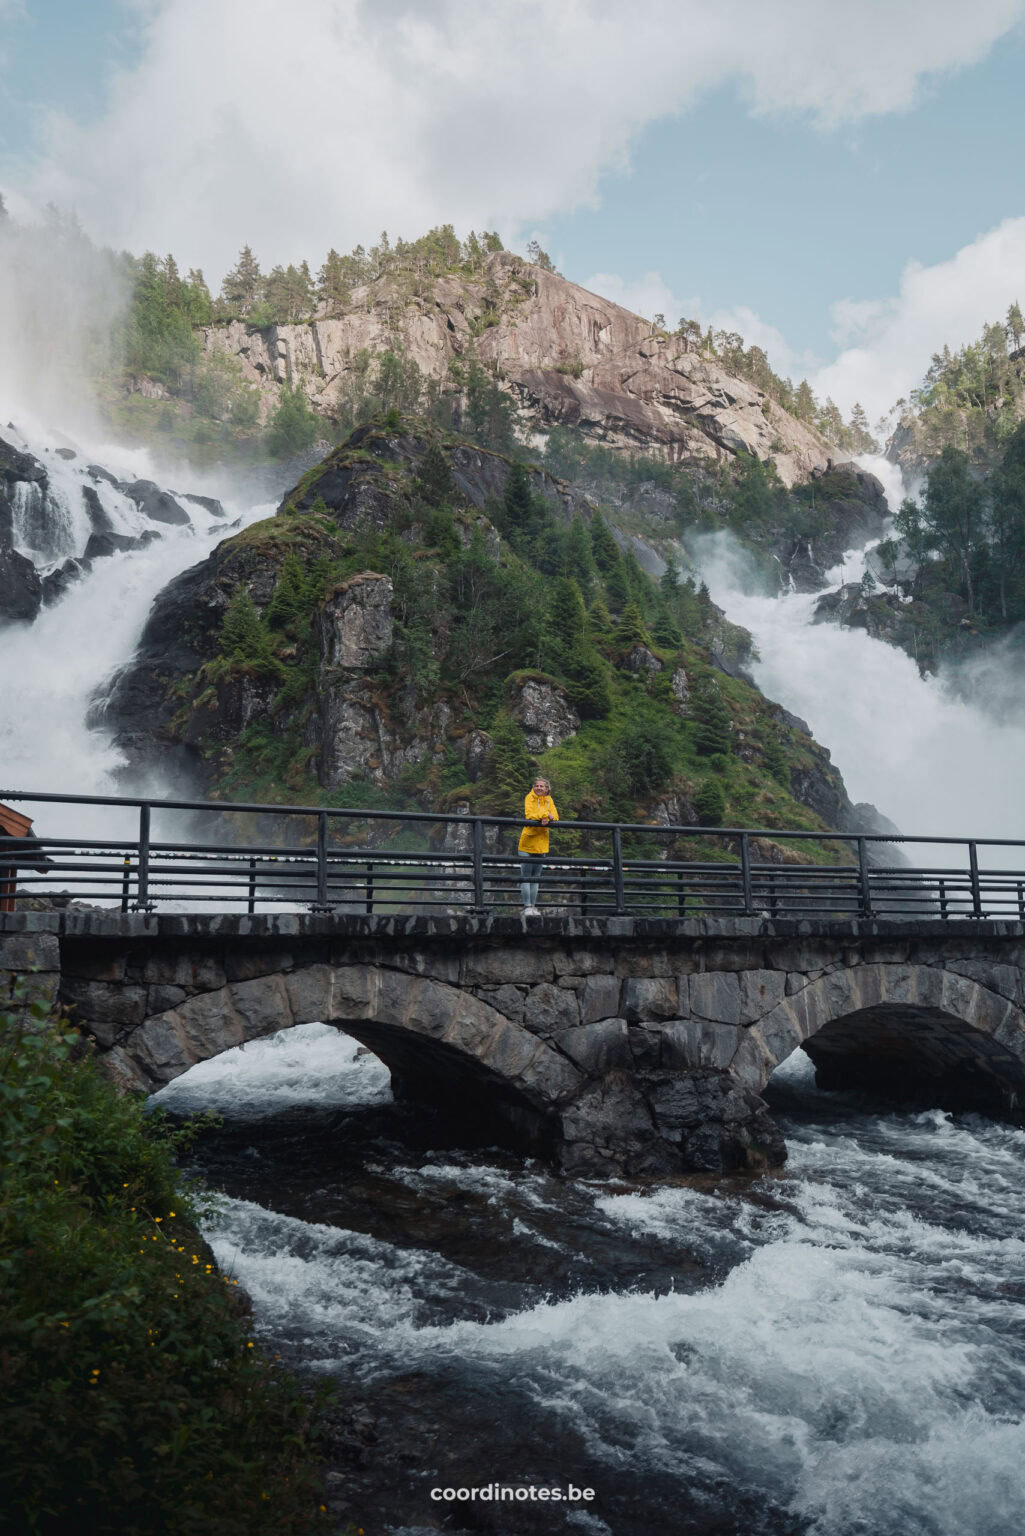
column 531, row 912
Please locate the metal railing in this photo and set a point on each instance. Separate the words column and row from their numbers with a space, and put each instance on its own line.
column 383, row 862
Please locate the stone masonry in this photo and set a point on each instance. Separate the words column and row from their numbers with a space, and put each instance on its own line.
column 615, row 1045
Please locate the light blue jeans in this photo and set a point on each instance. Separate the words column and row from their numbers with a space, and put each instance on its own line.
column 530, row 874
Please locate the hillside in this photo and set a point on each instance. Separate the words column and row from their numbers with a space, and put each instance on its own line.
column 426, row 623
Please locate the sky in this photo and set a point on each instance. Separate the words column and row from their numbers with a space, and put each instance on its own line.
column 843, row 184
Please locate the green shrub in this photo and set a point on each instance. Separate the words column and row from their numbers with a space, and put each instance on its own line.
column 710, row 803
column 133, row 1401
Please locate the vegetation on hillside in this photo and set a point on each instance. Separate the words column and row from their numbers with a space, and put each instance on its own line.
column 556, row 601
column 972, row 399
column 134, row 1399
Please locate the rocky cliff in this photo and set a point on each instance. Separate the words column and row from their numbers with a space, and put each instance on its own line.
column 383, row 642
column 566, row 356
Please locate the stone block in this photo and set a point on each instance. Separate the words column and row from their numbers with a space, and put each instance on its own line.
column 246, row 964
column 599, row 998
column 646, row 1046
column 159, row 999
column 160, row 1052
column 713, row 995
column 752, row 1066
column 95, row 964
column 647, row 998
column 583, row 962
column 597, row 1047
column 309, row 992
column 29, row 952
column 262, row 1004
column 207, row 1024
column 548, row 1009
column 760, row 991
column 507, row 1000
column 738, row 955
column 496, row 966
column 688, row 1043
column 104, row 1002
column 1005, row 979
column 644, row 963
column 779, row 1034
column 196, row 972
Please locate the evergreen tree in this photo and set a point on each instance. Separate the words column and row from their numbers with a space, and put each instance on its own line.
column 952, row 515
column 713, row 722
column 710, row 803
column 805, row 404
column 606, row 550
column 290, row 600
column 433, row 483
column 578, row 556
column 333, row 288
column 665, row 631
column 588, row 682
column 630, row 629
column 509, row 771
column 775, row 762
column 293, row 427
column 599, row 620
column 1015, row 324
column 616, row 588
column 243, row 638
column 566, row 614
column 242, row 288
column 517, row 502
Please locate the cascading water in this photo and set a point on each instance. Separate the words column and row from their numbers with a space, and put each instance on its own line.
column 834, row 1352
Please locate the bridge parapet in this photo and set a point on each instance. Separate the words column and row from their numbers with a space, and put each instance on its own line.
column 621, row 1045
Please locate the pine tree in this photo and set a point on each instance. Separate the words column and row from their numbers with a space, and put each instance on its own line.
column 509, row 770
column 566, row 615
column 710, row 803
column 433, row 483
column 775, row 762
column 588, row 682
column 243, row 638
column 599, row 620
column 290, row 600
column 333, row 288
column 665, row 631
column 630, row 630
column 517, row 502
column 242, row 288
column 1015, row 324
column 293, row 427
column 712, row 719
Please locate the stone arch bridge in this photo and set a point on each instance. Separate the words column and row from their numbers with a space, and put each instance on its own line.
column 614, row 1045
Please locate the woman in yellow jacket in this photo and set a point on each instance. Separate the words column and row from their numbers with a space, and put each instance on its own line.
column 540, row 807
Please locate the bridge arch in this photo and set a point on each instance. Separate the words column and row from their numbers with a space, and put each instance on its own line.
column 906, row 1031
column 444, row 1047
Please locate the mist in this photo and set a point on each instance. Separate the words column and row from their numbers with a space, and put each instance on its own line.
column 61, row 301
column 934, row 761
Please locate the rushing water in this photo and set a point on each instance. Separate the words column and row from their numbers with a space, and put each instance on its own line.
column 837, row 1351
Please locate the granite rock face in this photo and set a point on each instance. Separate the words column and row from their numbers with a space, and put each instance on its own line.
column 566, row 356
column 545, row 714
column 356, row 623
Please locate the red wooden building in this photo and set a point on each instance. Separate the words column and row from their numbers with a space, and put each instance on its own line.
column 17, row 846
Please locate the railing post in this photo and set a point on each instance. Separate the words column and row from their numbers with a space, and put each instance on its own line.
column 143, row 903
column 864, row 879
column 1021, row 902
column 322, row 901
column 745, row 874
column 252, row 887
column 370, row 887
column 126, row 882
column 973, row 863
column 943, row 898
column 478, row 866
column 617, row 869
column 681, row 895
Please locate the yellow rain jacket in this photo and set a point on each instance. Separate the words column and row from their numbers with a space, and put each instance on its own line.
column 534, row 840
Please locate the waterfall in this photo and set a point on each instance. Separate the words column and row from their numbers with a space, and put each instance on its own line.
column 933, row 762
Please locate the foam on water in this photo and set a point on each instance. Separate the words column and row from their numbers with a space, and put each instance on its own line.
column 309, row 1064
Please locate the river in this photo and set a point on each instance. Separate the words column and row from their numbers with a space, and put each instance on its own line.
column 835, row 1351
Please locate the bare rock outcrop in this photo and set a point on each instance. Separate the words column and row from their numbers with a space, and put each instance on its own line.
column 566, row 356
column 356, row 624
column 545, row 714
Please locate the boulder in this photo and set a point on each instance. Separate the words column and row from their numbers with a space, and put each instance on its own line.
column 641, row 661
column 154, row 503
column 679, row 684
column 356, row 625
column 545, row 714
column 21, row 590
column 56, row 583
column 102, row 544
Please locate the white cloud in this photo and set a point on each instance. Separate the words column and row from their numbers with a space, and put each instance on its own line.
column 945, row 304
column 318, row 123
column 648, row 295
